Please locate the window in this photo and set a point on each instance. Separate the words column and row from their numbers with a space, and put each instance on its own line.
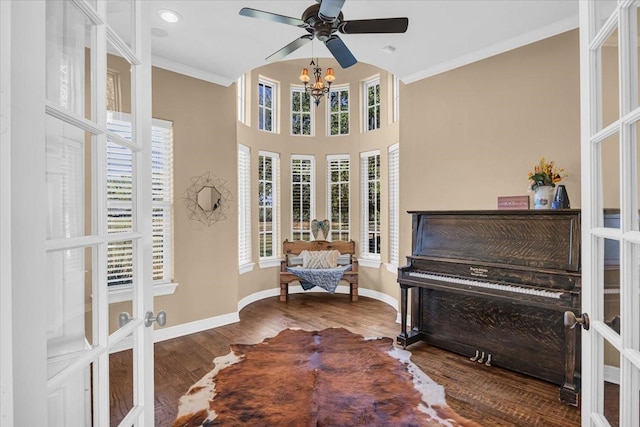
column 370, row 181
column 338, row 196
column 301, row 118
column 244, row 208
column 120, row 206
column 394, row 204
column 241, row 98
column 266, row 105
column 396, row 98
column 338, row 106
column 268, row 172
column 302, row 196
column 372, row 104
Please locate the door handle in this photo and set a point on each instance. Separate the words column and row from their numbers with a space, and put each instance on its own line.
column 571, row 320
column 149, row 318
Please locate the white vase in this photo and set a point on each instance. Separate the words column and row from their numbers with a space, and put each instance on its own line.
column 542, row 197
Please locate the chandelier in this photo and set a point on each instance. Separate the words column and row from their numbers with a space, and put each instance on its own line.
column 318, row 88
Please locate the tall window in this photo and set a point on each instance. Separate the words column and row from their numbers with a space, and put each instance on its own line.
column 302, row 196
column 338, row 195
column 119, row 200
column 268, row 204
column 396, row 98
column 394, row 204
column 241, row 98
column 301, row 116
column 370, row 181
column 338, row 106
column 244, row 205
column 372, row 104
column 266, row 105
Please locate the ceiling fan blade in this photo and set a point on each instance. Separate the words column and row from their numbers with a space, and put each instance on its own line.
column 367, row 26
column 290, row 48
column 254, row 13
column 340, row 51
column 330, row 9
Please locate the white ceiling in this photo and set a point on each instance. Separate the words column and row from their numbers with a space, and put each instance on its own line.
column 213, row 42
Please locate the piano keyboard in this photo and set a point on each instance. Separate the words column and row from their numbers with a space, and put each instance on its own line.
column 488, row 285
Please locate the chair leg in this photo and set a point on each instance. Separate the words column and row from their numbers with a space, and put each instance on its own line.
column 353, row 291
column 284, row 292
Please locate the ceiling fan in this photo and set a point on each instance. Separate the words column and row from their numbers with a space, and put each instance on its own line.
column 322, row 21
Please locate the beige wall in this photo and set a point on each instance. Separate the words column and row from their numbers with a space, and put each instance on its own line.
column 466, row 137
column 470, row 135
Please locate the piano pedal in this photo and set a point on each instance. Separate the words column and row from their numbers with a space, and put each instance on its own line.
column 488, row 362
column 474, row 358
column 481, row 360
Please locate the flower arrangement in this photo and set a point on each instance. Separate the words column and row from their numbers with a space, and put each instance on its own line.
column 545, row 174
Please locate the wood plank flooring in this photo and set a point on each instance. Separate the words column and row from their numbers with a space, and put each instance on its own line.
column 490, row 396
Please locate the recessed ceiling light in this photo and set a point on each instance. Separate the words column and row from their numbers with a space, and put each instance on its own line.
column 169, row 15
column 389, row 49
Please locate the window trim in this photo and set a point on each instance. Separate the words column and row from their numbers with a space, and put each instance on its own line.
column 245, row 263
column 393, row 161
column 312, row 204
column 366, row 84
column 274, row 259
column 241, row 99
column 164, row 286
column 331, row 158
column 338, row 88
column 274, row 104
column 300, row 89
column 369, row 259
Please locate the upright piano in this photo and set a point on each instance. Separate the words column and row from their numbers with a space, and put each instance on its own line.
column 496, row 286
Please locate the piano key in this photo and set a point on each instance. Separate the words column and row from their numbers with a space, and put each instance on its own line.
column 488, row 285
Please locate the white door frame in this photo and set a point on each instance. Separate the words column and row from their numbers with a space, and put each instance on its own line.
column 598, row 22
column 23, row 359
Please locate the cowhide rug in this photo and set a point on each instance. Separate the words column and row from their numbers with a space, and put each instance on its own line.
column 327, row 378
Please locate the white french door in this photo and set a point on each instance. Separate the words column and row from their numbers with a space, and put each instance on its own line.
column 64, row 53
column 610, row 129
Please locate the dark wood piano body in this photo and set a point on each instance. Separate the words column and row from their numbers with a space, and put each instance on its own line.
column 497, row 282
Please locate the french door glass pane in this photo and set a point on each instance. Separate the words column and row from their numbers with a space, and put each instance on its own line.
column 611, row 269
column 67, row 57
column 119, row 188
column 118, row 81
column 121, row 385
column 120, row 19
column 611, row 385
column 67, row 179
column 609, row 96
column 610, row 158
column 68, row 295
column 76, row 389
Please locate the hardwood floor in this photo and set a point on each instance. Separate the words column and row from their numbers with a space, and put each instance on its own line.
column 490, row 396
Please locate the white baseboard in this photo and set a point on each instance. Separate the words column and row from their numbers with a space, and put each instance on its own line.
column 612, row 374
column 163, row 334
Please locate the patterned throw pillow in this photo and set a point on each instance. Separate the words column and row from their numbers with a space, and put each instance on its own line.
column 320, row 259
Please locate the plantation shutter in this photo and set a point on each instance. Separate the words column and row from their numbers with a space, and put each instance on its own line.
column 244, row 205
column 338, row 195
column 302, row 196
column 119, row 201
column 394, row 204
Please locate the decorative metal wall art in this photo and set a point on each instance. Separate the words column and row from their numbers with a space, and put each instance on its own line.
column 207, row 199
